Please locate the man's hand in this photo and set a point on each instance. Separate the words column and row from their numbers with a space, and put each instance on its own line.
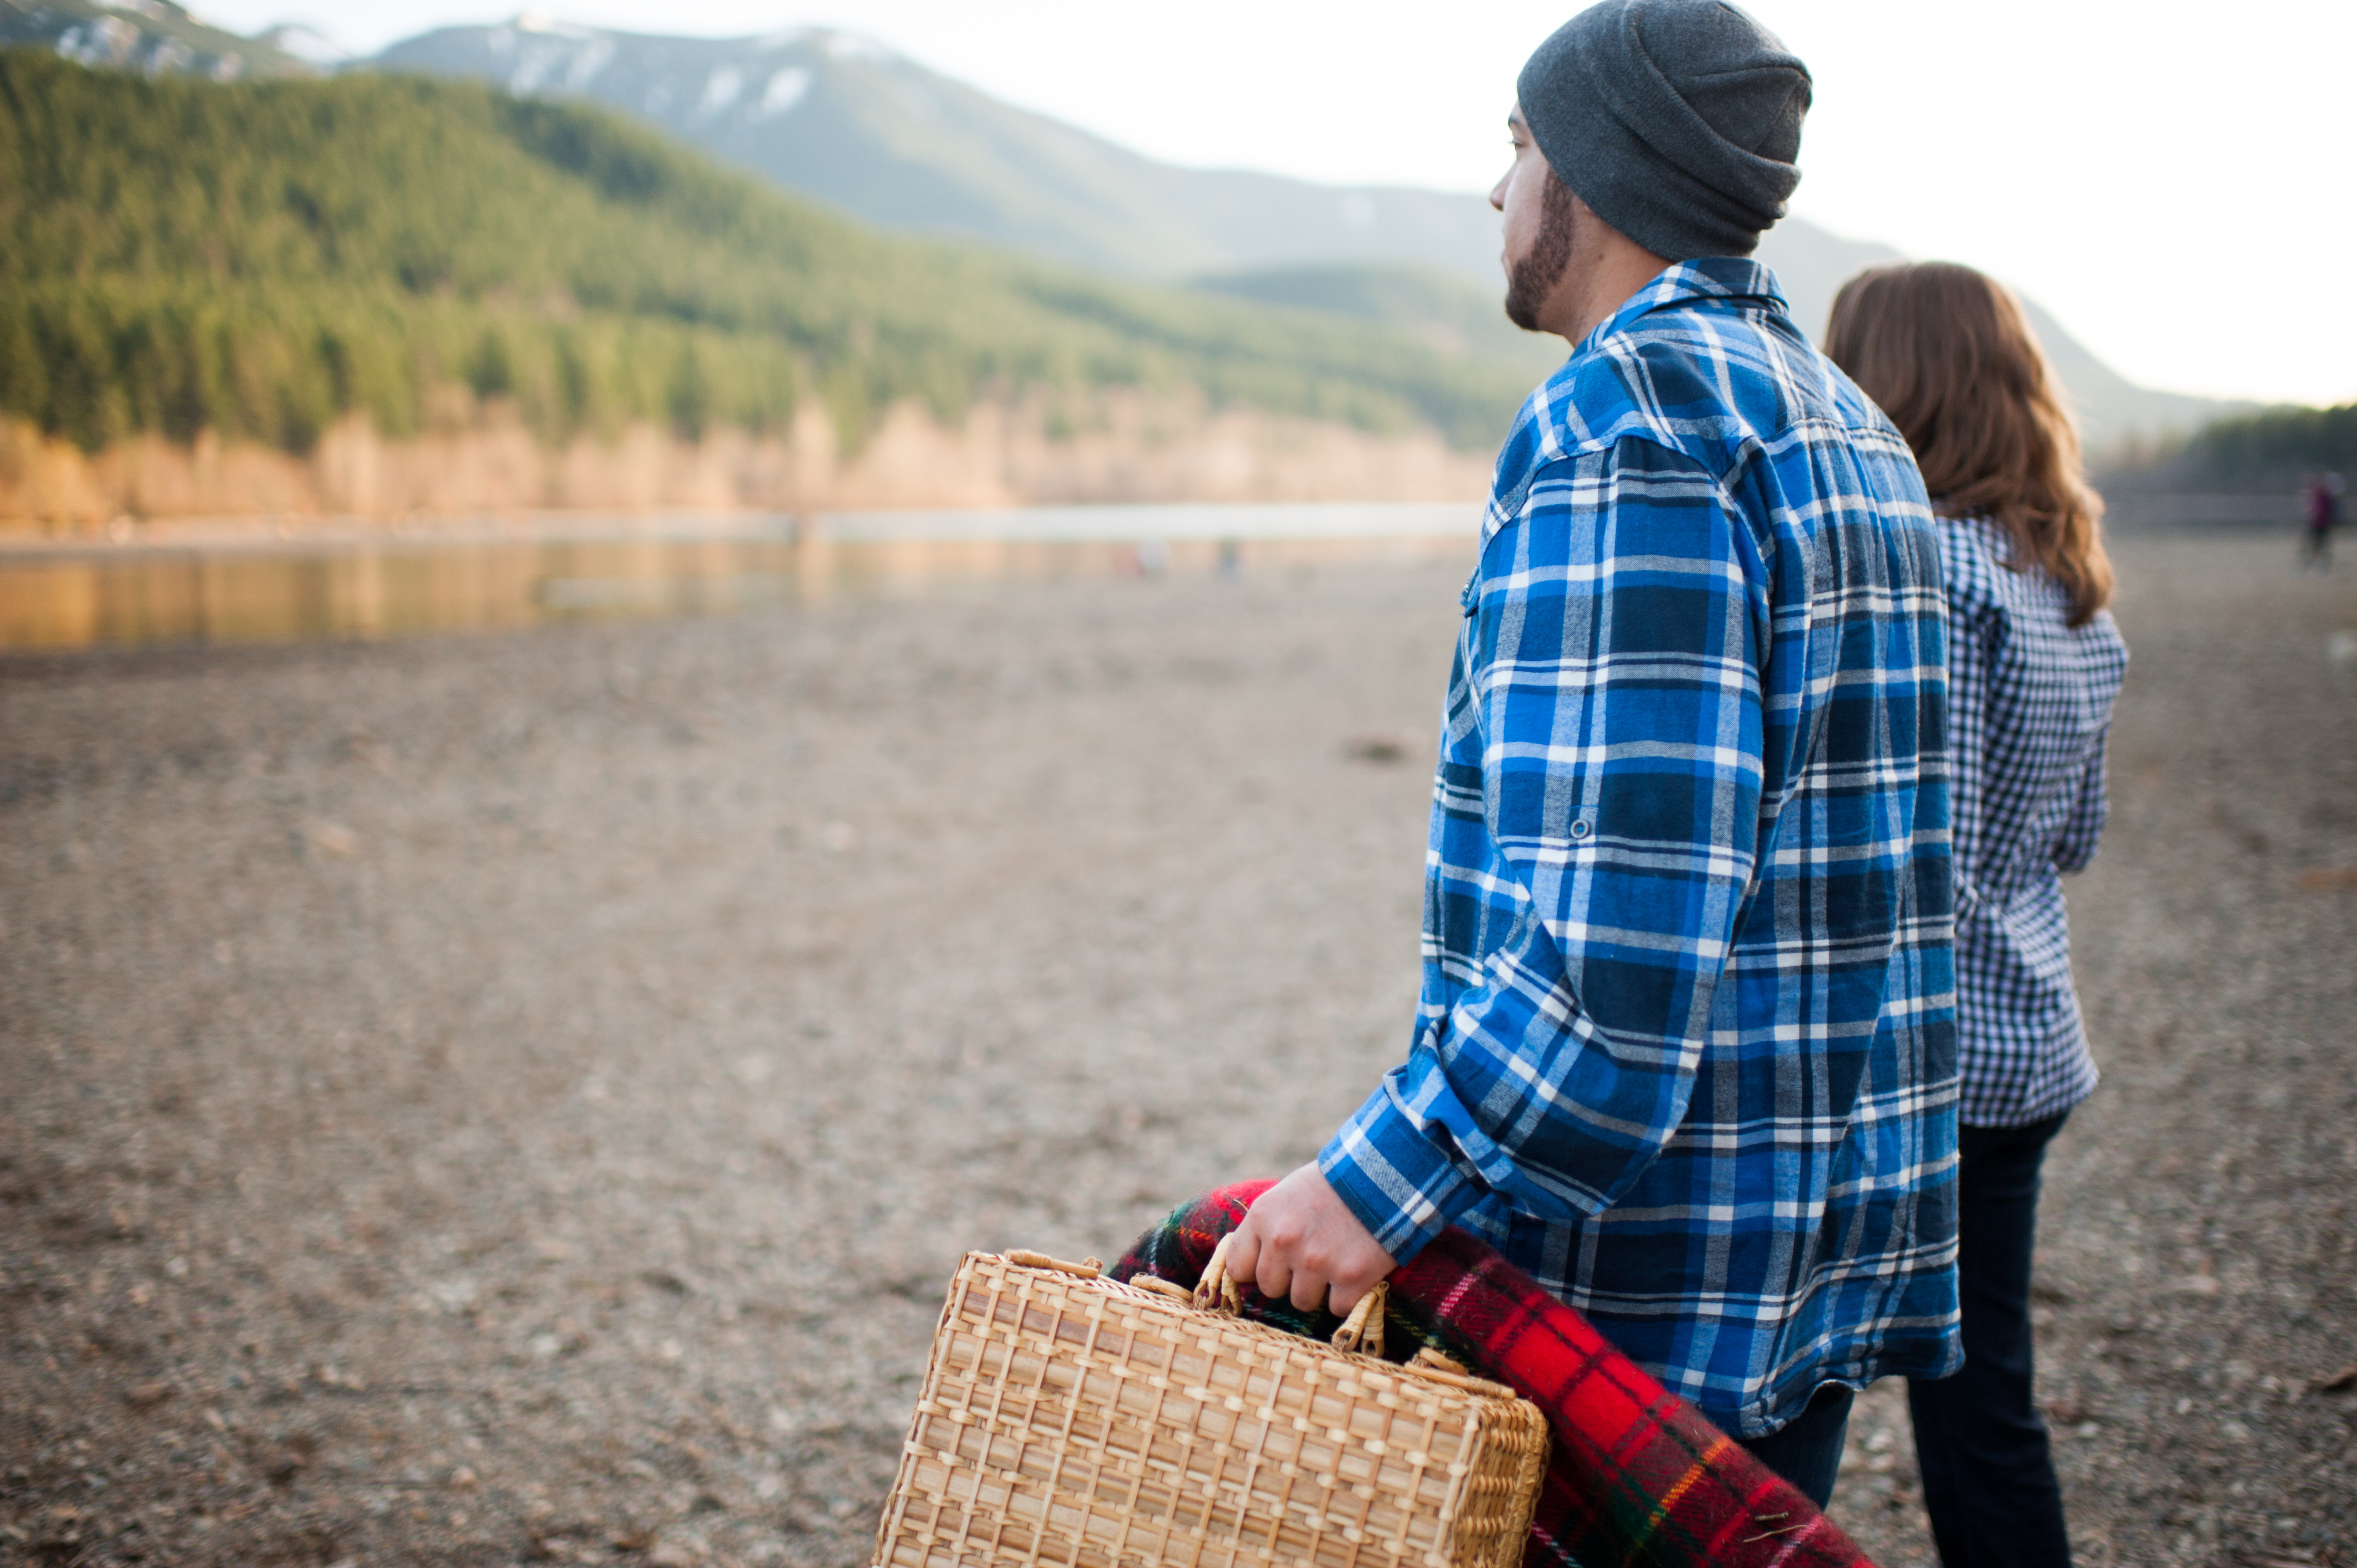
column 1301, row 1241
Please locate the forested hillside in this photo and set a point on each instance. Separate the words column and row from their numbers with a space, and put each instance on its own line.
column 254, row 258
column 2272, row 450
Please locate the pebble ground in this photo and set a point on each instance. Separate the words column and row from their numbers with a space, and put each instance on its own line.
column 518, row 1099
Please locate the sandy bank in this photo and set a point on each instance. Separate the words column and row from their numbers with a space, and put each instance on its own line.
column 1131, row 446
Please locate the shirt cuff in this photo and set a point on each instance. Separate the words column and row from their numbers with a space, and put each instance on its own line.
column 1397, row 1171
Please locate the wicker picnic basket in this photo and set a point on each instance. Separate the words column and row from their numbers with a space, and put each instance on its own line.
column 1070, row 1421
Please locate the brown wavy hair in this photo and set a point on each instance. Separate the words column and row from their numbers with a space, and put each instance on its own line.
column 1948, row 355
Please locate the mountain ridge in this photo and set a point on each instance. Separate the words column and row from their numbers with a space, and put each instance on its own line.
column 884, row 138
column 887, row 141
column 853, row 123
column 155, row 37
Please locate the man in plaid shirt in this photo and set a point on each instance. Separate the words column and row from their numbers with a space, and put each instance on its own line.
column 1686, row 1046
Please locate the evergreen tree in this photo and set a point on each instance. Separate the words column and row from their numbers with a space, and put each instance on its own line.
column 257, row 259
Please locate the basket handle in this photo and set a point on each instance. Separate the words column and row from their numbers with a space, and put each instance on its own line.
column 1215, row 1292
column 1087, row 1268
column 1362, row 1331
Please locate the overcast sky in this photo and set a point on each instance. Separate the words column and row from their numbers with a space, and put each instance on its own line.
column 2170, row 180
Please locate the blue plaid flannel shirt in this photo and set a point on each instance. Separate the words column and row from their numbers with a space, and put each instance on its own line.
column 1686, row 1045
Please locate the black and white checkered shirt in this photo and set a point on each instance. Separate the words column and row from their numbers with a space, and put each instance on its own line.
column 2029, row 703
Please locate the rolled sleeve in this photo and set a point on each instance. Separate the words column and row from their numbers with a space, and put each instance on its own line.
column 1392, row 1163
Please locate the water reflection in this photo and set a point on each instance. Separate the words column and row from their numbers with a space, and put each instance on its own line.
column 368, row 588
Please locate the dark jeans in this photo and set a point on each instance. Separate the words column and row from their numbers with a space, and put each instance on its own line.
column 1989, row 1479
column 1807, row 1450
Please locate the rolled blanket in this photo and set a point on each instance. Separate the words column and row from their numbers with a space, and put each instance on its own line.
column 1636, row 1476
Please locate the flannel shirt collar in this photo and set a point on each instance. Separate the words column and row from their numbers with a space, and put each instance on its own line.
column 1548, row 425
column 1712, row 277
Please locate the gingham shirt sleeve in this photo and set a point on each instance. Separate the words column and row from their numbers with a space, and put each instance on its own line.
column 2074, row 846
column 1604, row 733
column 1972, row 630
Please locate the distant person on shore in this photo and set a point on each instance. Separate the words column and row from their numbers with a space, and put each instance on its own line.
column 1685, row 1050
column 2323, row 515
column 2034, row 663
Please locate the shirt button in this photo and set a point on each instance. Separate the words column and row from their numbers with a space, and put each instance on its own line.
column 1580, row 830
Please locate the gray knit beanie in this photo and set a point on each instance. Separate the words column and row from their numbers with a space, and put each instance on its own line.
column 1676, row 121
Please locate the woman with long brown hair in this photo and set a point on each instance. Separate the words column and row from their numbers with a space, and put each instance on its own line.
column 2034, row 663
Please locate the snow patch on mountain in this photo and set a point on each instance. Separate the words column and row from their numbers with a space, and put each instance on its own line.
column 721, row 89
column 544, row 23
column 306, row 44
column 556, row 62
column 535, row 63
column 169, row 58
column 105, row 41
column 785, row 90
column 587, row 61
column 851, row 46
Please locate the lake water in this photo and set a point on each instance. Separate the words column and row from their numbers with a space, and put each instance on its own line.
column 366, row 586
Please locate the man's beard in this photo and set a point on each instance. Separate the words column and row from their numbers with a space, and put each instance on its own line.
column 1529, row 280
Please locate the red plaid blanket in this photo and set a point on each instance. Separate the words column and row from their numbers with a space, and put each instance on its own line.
column 1636, row 1476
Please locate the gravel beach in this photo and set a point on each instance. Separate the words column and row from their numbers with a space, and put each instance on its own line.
column 519, row 1098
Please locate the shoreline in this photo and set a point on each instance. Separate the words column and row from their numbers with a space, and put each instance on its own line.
column 2132, row 514
column 248, row 586
column 1078, row 521
column 1133, row 446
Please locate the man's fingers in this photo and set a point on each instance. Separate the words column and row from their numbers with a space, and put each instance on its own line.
column 1243, row 1252
column 1251, row 1264
column 1298, row 1244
